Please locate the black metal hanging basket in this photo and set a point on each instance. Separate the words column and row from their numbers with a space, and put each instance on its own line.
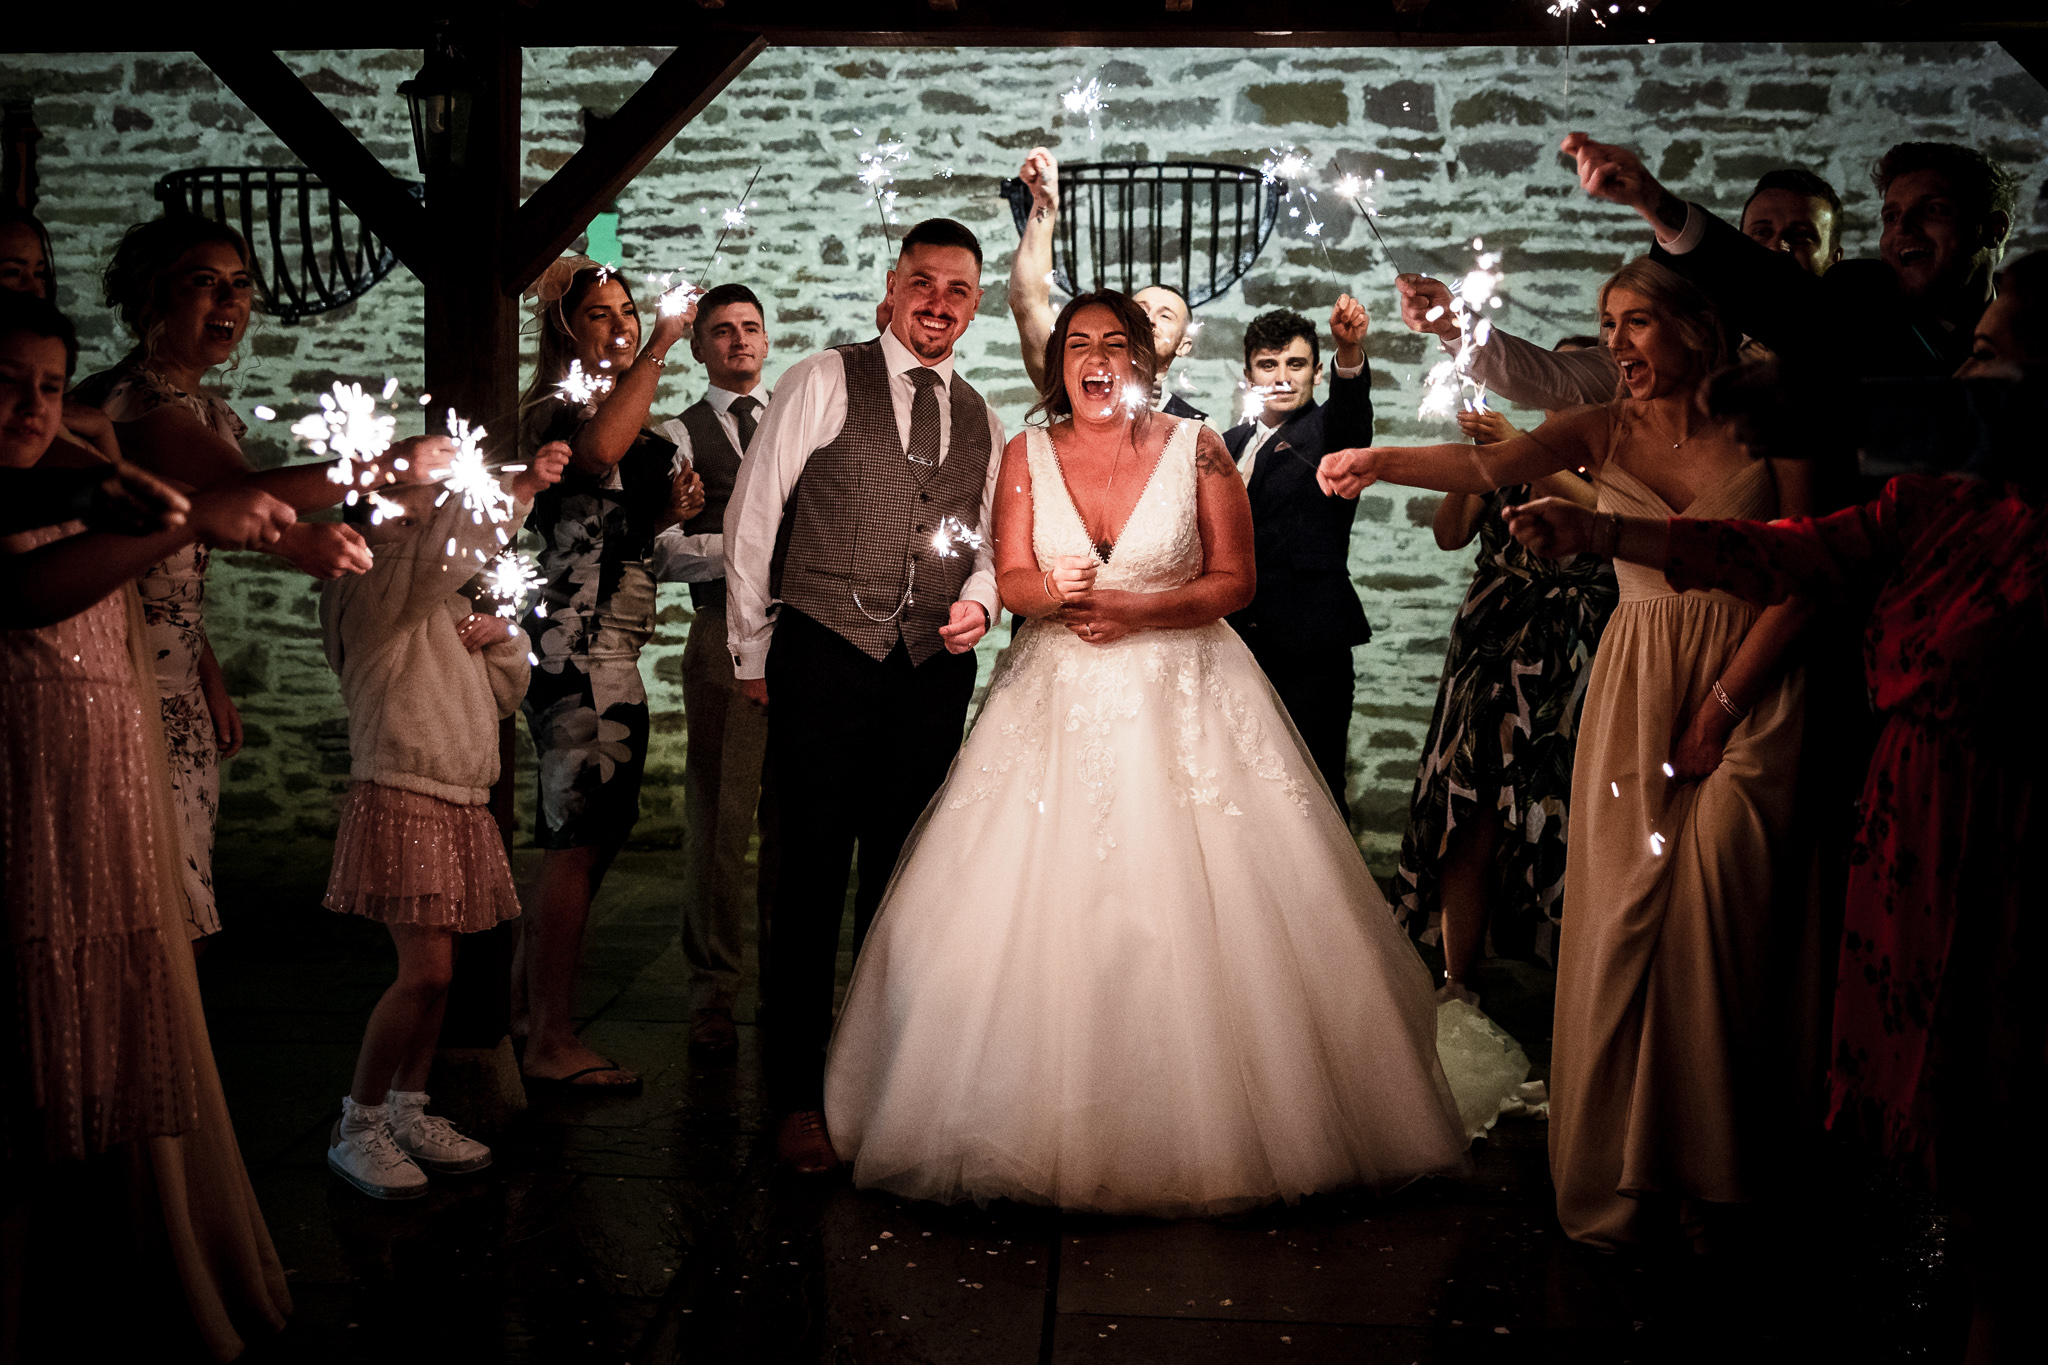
column 310, row 253
column 1195, row 225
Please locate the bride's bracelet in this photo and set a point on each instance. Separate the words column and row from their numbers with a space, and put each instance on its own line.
column 1050, row 595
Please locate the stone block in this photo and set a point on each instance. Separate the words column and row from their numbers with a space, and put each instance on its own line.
column 950, row 102
column 1680, row 157
column 1920, row 101
column 243, row 806
column 1745, row 167
column 1403, row 104
column 1501, row 158
column 171, row 77
column 1399, row 582
column 1499, row 106
column 1665, row 97
column 2018, row 97
column 1374, row 508
column 1322, row 103
column 1805, row 97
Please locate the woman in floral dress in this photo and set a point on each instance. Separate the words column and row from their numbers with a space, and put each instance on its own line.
column 1483, row 856
column 586, row 706
column 183, row 288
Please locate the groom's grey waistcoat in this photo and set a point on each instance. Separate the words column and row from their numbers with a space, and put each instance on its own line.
column 861, row 516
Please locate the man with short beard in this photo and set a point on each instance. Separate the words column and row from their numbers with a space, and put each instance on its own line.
column 849, row 621
column 1031, row 293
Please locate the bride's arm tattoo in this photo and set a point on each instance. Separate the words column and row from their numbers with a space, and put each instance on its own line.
column 1212, row 457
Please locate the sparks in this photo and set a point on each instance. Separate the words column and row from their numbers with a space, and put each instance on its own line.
column 264, row 413
column 954, row 535
column 347, row 426
column 509, row 578
column 1086, row 99
column 1450, row 379
column 469, row 478
column 583, row 389
column 878, row 173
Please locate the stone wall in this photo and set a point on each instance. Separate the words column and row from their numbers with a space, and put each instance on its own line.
column 1465, row 138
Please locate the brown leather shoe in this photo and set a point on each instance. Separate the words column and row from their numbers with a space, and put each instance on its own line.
column 803, row 1144
column 712, row 1034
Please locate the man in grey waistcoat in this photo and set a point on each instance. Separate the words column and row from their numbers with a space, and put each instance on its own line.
column 728, row 732
column 853, row 608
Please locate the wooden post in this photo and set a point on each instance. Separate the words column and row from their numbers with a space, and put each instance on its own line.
column 472, row 334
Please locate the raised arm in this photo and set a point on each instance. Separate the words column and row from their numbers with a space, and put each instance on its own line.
column 1347, row 417
column 603, row 441
column 1518, row 370
column 1031, row 267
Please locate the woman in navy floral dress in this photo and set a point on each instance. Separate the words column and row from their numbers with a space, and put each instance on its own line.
column 586, row 707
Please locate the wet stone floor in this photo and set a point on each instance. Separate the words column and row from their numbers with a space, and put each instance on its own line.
column 658, row 1229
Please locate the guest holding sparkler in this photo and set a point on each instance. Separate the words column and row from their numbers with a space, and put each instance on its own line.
column 728, row 732
column 1684, row 882
column 1484, row 853
column 107, row 1085
column 1173, row 332
column 1938, row 1051
column 586, row 707
column 1791, row 210
column 426, row 682
column 184, row 289
column 867, row 662
column 1305, row 619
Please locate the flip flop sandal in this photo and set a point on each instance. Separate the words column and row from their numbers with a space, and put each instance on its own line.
column 562, row 1085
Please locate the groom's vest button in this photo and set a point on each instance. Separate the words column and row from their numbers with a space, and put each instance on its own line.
column 924, row 497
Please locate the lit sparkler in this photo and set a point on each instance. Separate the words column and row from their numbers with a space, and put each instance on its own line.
column 1086, row 101
column 953, row 536
column 582, row 388
column 348, row 426
column 877, row 172
column 735, row 217
column 1472, row 297
column 1290, row 168
column 510, row 578
column 1358, row 192
column 470, row 478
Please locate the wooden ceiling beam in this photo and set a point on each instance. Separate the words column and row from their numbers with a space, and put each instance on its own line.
column 275, row 94
column 619, row 149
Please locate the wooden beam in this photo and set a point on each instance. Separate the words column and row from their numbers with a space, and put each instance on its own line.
column 619, row 149
column 316, row 137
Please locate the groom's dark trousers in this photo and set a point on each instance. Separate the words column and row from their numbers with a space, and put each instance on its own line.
column 856, row 748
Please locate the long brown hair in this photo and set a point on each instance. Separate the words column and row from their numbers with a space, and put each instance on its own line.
column 138, row 279
column 1054, row 402
column 1680, row 302
column 557, row 345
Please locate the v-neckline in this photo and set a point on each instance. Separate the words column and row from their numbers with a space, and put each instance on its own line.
column 1663, row 502
column 1094, row 548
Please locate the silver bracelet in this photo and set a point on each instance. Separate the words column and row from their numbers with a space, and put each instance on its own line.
column 658, row 362
column 1721, row 695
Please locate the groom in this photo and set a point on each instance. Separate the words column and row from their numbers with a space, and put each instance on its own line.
column 856, row 630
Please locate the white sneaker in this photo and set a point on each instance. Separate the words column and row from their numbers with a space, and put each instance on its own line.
column 430, row 1141
column 360, row 1150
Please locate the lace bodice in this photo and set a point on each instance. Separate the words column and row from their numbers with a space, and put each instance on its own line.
column 1160, row 547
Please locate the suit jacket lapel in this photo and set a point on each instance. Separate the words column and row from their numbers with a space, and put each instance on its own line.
column 1271, row 454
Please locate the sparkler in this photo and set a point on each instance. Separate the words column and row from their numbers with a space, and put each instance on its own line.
column 1472, row 297
column 1357, row 190
column 1292, row 169
column 735, row 217
column 878, row 174
column 470, row 478
column 348, row 426
column 1087, row 101
column 509, row 578
column 953, row 536
column 582, row 388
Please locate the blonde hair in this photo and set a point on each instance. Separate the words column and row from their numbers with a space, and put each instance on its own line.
column 1681, row 303
column 559, row 292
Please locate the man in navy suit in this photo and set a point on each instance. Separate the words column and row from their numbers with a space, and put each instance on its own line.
column 1306, row 617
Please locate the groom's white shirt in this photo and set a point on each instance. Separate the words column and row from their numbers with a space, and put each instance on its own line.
column 808, row 412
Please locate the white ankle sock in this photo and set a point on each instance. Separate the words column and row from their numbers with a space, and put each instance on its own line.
column 359, row 1118
column 405, row 1101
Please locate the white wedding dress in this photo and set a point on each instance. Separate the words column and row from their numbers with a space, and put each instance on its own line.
column 1131, row 961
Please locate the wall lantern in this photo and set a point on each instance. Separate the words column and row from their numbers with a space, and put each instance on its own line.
column 441, row 96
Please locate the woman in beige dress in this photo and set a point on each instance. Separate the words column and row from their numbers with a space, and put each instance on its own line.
column 1682, row 878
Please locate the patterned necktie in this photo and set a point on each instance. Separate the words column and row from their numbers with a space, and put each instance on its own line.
column 742, row 410
column 923, row 453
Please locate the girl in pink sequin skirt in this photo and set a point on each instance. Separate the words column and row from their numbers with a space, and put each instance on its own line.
column 426, row 681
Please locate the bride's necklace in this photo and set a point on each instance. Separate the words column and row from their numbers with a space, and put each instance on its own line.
column 1103, row 545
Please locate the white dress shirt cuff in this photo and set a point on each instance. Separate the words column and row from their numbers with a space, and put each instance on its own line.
column 1690, row 235
column 678, row 557
column 1352, row 373
column 750, row 662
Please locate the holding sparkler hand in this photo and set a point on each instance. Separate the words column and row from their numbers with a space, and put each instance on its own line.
column 1486, row 427
column 1348, row 324
column 1618, row 175
column 1426, row 305
column 549, row 463
column 1031, row 267
column 685, row 498
column 1347, row 473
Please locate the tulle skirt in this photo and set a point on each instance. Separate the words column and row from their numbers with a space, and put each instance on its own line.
column 1132, row 961
column 402, row 857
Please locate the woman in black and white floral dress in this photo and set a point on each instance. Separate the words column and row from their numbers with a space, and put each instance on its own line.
column 586, row 706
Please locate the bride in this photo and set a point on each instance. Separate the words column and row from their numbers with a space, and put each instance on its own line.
column 1131, row 960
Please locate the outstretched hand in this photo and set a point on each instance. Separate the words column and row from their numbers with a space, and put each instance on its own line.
column 237, row 515
column 1618, row 175
column 1348, row 324
column 1347, row 473
column 1486, row 427
column 543, row 471
column 1555, row 528
column 325, row 549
